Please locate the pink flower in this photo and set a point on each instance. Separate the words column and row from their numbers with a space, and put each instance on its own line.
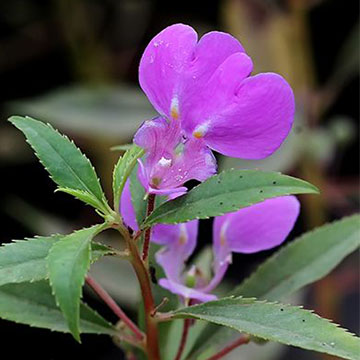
column 170, row 158
column 258, row 227
column 206, row 85
column 255, row 228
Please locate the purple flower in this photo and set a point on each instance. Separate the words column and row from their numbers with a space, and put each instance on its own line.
column 206, row 84
column 170, row 158
column 259, row 227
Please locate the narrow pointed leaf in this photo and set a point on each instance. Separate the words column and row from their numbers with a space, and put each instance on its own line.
column 302, row 262
column 25, row 260
column 123, row 170
column 68, row 262
column 305, row 260
column 84, row 196
column 227, row 192
column 286, row 324
column 68, row 167
column 33, row 304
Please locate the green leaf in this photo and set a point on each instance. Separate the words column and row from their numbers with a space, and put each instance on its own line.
column 286, row 324
column 305, row 260
column 68, row 262
column 123, row 170
column 227, row 192
column 25, row 260
column 84, row 196
column 100, row 250
column 68, row 167
column 34, row 305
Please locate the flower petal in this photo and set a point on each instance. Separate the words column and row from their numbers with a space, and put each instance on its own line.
column 162, row 65
column 258, row 227
column 251, row 122
column 210, row 52
column 186, row 292
column 126, row 208
column 181, row 242
column 171, row 160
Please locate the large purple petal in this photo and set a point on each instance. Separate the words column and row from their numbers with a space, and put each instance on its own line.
column 162, row 65
column 247, row 118
column 181, row 242
column 210, row 52
column 258, row 227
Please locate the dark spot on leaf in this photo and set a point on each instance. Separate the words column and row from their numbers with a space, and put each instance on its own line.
column 274, row 182
column 281, row 309
column 220, row 203
column 261, row 191
column 240, row 177
column 303, row 320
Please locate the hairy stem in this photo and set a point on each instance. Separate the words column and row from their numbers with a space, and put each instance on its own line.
column 184, row 335
column 109, row 301
column 244, row 339
column 150, row 209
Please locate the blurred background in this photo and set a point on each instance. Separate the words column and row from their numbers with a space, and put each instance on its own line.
column 73, row 63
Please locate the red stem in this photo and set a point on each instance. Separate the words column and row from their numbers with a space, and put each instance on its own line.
column 241, row 341
column 152, row 344
column 109, row 301
column 150, row 209
column 187, row 323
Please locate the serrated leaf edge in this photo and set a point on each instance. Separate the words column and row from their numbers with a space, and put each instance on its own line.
column 272, row 258
column 152, row 218
column 103, row 200
column 183, row 313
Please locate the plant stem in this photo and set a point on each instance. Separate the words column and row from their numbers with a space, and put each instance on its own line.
column 244, row 339
column 152, row 344
column 114, row 307
column 150, row 209
column 184, row 335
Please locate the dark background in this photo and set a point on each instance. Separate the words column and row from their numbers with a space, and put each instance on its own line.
column 50, row 45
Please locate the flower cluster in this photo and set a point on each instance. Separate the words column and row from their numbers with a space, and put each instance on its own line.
column 207, row 100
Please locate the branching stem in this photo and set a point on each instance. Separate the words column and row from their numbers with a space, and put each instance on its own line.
column 109, row 301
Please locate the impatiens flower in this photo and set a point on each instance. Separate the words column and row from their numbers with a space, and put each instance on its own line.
column 206, row 85
column 170, row 158
column 258, row 227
